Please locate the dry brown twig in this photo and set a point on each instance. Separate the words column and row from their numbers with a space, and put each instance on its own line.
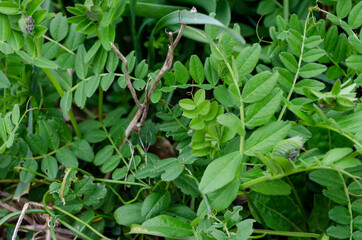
column 140, row 117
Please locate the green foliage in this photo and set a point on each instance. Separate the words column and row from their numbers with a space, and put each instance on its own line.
column 246, row 129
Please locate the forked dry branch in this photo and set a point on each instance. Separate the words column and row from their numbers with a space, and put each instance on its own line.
column 140, row 117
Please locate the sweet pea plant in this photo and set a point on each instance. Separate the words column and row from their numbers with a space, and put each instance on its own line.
column 227, row 131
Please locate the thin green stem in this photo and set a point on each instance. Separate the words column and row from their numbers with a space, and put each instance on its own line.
column 298, row 69
column 120, row 182
column 50, row 153
column 80, row 221
column 51, row 226
column 345, row 188
column 60, row 45
column 286, row 234
column 239, row 94
column 286, row 10
column 70, row 227
column 61, row 93
column 100, row 104
column 15, row 214
column 4, row 108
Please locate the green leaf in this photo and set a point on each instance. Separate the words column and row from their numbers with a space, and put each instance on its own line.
column 82, row 150
column 220, row 199
column 37, row 144
column 155, row 203
column 331, row 39
column 191, row 18
column 273, row 187
column 220, row 172
column 91, row 85
column 84, row 185
column 66, row 103
column 5, row 29
column 26, row 176
column 232, row 122
column 63, row 78
column 48, row 132
column 103, row 154
column 111, row 164
column 129, row 214
column 259, row 86
column 8, row 8
column 15, row 114
column 131, row 59
column 313, row 55
column 92, row 51
column 96, row 197
column 181, row 73
column 141, row 70
column 32, row 6
column 59, row 27
column 49, row 166
column 312, row 42
column 164, row 226
column 222, row 95
column 259, row 113
column 112, row 62
column 355, row 61
column 247, row 59
column 4, row 81
column 196, row 69
column 187, row 186
column 265, row 138
column 278, row 212
column 289, row 61
column 340, row 232
column 295, row 40
column 335, row 155
column 170, row 168
column 336, row 195
column 312, row 70
column 107, row 36
column 81, row 68
column 80, row 97
column 67, row 158
column 107, row 81
column 99, row 61
column 94, row 136
column 310, row 83
column 210, row 73
column 204, row 107
column 197, row 123
column 74, row 38
column 326, row 178
column 355, row 16
column 340, row 215
column 187, row 104
column 44, row 63
column 245, row 229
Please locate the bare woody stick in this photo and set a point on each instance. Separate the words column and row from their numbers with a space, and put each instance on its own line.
column 140, row 117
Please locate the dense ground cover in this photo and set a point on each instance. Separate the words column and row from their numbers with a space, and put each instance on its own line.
column 180, row 119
